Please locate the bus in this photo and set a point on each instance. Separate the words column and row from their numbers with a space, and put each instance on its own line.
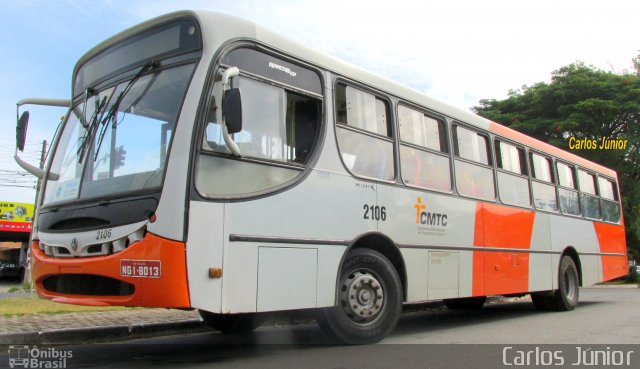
column 208, row 163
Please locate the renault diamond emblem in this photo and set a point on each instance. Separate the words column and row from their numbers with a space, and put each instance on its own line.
column 74, row 244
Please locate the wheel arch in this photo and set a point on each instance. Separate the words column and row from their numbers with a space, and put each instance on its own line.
column 381, row 243
column 573, row 254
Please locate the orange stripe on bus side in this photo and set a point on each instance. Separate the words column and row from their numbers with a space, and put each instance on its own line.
column 500, row 226
column 611, row 239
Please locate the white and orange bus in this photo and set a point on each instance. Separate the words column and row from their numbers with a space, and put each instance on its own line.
column 208, row 163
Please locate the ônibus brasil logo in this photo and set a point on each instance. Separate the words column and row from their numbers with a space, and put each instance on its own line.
column 23, row 356
column 424, row 217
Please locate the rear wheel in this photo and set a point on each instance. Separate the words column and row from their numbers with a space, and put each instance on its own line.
column 232, row 323
column 566, row 297
column 369, row 300
column 467, row 303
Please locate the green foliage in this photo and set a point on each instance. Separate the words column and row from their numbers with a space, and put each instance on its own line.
column 584, row 102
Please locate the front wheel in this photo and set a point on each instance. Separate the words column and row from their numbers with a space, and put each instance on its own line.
column 369, row 300
column 565, row 298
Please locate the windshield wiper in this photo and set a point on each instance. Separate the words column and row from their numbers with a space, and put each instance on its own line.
column 99, row 116
column 91, row 127
column 111, row 115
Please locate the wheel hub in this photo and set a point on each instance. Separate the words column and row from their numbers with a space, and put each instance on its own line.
column 362, row 297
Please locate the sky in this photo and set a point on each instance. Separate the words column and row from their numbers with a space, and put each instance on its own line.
column 457, row 51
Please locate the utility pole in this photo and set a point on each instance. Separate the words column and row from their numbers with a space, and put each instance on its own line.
column 27, row 253
column 43, row 156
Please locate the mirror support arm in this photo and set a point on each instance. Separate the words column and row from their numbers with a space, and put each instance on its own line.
column 28, row 167
column 226, row 84
column 64, row 103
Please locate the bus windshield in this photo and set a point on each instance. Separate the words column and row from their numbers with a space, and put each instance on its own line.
column 116, row 141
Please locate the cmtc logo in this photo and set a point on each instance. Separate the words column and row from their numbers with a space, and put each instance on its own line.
column 428, row 218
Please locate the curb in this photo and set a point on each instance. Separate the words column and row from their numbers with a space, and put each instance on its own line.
column 103, row 334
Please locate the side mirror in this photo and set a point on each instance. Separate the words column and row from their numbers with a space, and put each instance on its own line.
column 232, row 110
column 21, row 130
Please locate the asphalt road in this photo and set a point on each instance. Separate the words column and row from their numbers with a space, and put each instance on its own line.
column 604, row 319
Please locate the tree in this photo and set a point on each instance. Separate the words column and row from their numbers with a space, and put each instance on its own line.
column 584, row 102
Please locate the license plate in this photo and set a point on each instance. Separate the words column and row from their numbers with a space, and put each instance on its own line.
column 141, row 268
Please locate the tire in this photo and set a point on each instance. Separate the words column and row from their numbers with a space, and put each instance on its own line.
column 232, row 323
column 369, row 300
column 566, row 297
column 467, row 303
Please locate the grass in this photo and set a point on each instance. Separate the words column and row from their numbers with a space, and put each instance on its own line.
column 19, row 306
column 24, row 287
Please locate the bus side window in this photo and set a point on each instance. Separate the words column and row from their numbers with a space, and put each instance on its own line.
column 513, row 183
column 213, row 132
column 364, row 134
column 609, row 200
column 278, row 124
column 474, row 174
column 424, row 150
column 544, row 192
column 567, row 193
column 588, row 195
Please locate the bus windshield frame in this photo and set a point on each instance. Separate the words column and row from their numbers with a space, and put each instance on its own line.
column 116, row 138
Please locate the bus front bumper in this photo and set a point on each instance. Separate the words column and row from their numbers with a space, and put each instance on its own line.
column 149, row 273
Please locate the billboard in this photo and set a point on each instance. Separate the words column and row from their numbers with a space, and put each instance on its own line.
column 15, row 217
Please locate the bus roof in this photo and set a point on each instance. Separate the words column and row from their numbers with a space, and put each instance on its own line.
column 221, row 28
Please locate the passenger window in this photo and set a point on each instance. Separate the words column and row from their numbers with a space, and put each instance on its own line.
column 423, row 150
column 587, row 182
column 607, row 189
column 568, row 197
column 471, row 146
column 544, row 192
column 278, row 125
column 590, row 203
column 510, row 158
column 541, row 168
column 544, row 196
column 566, row 176
column 419, row 129
column 363, row 131
column 362, row 110
column 513, row 185
column 279, row 131
column 473, row 179
column 569, row 203
column 609, row 202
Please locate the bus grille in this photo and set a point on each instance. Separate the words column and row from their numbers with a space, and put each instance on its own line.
column 87, row 284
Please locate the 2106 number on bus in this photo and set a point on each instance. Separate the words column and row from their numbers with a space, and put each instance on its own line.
column 141, row 268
